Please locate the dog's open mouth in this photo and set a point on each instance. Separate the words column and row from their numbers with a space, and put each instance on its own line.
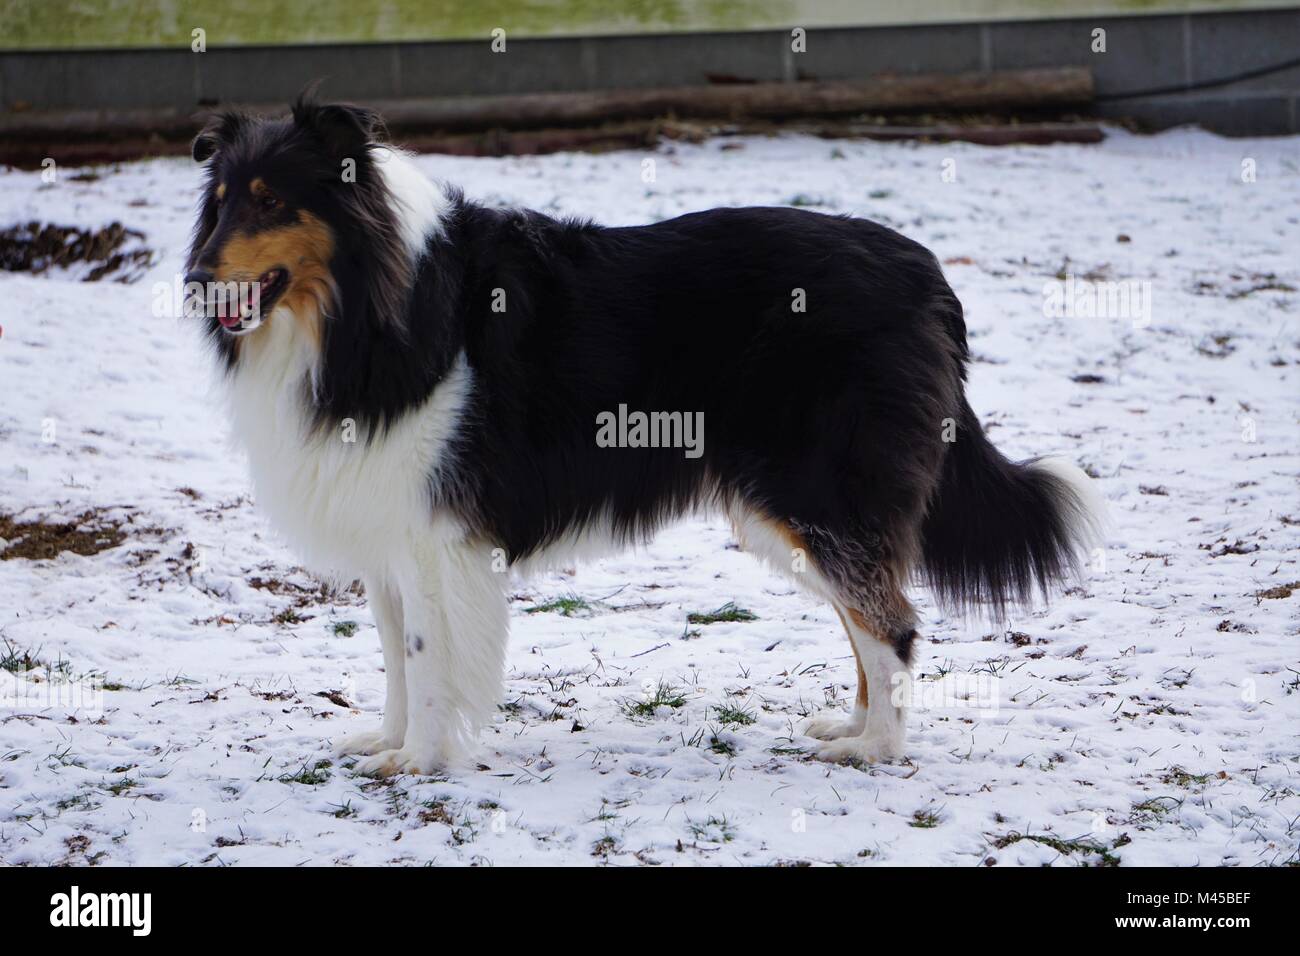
column 247, row 311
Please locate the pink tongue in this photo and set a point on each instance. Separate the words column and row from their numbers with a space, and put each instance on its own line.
column 228, row 313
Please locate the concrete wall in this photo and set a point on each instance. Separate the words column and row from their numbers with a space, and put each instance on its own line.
column 1141, row 53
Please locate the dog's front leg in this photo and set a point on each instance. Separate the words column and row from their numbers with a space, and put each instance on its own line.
column 386, row 606
column 455, row 618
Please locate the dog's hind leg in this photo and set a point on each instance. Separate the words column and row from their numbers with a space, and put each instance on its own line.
column 860, row 577
column 806, row 558
column 828, row 725
column 386, row 606
column 862, row 573
column 882, row 626
column 456, row 621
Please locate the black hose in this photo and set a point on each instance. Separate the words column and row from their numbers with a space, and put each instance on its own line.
column 1203, row 85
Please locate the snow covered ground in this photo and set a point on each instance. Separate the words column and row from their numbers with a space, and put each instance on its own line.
column 1148, row 717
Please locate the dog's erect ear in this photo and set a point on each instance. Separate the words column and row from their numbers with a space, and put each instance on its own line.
column 344, row 129
column 220, row 129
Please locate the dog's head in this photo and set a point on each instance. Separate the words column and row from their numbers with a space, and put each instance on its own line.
column 280, row 200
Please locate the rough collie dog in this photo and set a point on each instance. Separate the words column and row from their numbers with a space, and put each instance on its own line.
column 426, row 389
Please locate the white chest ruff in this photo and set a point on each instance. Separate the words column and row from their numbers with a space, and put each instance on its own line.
column 341, row 501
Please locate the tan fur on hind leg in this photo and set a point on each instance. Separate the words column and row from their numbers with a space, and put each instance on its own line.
column 866, row 592
column 882, row 634
column 830, row 725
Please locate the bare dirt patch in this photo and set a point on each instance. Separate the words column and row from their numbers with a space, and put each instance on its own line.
column 114, row 252
column 1281, row 591
column 38, row 540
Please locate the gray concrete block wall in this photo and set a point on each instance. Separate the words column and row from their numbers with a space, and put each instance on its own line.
column 668, row 60
column 1142, row 53
column 1219, row 45
column 846, row 54
column 244, row 75
column 448, row 69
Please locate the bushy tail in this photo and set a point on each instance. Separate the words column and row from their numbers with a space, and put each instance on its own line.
column 998, row 531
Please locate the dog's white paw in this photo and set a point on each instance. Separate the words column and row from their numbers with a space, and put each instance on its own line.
column 829, row 725
column 387, row 763
column 370, row 742
column 860, row 750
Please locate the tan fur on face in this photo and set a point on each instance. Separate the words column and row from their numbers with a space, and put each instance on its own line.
column 221, row 191
column 304, row 248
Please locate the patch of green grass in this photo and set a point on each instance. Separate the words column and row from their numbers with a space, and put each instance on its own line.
column 723, row 747
column 1105, row 854
column 80, row 801
column 23, row 661
column 665, row 695
column 122, row 786
column 569, row 605
column 312, row 776
column 439, row 810
column 464, row 831
column 17, row 661
column 67, row 758
column 713, row 830
column 344, row 628
column 1183, row 778
column 924, row 819
column 1152, row 811
column 604, row 846
column 726, row 614
column 729, row 715
column 607, row 813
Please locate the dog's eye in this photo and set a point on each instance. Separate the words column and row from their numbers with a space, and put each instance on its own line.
column 269, row 203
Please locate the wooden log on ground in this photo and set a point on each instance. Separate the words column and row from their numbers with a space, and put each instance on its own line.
column 1010, row 134
column 930, row 93
column 640, row 135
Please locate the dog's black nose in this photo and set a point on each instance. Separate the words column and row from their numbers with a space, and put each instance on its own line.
column 201, row 276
